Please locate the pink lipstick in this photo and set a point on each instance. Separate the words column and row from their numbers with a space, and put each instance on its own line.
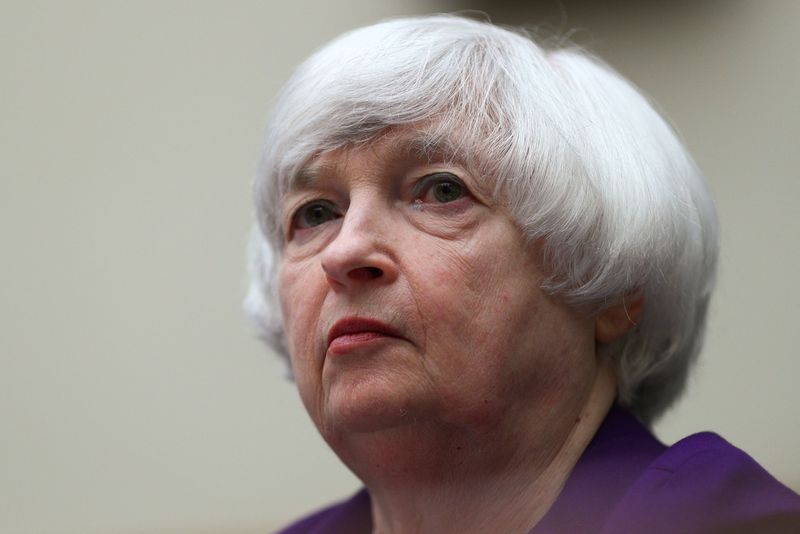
column 351, row 333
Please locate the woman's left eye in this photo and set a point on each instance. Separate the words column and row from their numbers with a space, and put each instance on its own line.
column 440, row 187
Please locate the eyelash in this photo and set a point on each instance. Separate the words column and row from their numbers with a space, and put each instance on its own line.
column 305, row 208
column 421, row 188
column 428, row 182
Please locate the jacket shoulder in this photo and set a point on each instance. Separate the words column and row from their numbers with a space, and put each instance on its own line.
column 351, row 515
column 702, row 484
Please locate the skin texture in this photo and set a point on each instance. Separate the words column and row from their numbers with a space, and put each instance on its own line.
column 472, row 417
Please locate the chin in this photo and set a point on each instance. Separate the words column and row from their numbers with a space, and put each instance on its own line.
column 369, row 405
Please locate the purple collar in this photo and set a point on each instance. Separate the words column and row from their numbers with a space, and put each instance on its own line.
column 599, row 479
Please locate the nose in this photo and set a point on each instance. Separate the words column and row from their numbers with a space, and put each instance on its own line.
column 361, row 253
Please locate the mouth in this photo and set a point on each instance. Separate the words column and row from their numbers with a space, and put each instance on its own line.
column 352, row 332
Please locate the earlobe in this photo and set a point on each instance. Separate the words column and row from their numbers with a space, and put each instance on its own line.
column 615, row 321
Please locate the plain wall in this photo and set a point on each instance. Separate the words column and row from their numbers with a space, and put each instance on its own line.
column 134, row 398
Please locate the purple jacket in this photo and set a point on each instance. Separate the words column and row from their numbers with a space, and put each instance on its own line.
column 627, row 481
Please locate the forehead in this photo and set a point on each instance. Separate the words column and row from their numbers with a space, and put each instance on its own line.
column 393, row 146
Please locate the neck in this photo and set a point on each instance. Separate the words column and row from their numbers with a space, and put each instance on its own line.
column 431, row 478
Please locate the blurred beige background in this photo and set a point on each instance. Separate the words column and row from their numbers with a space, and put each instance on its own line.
column 134, row 398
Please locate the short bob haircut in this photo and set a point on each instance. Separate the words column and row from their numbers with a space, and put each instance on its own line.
column 577, row 155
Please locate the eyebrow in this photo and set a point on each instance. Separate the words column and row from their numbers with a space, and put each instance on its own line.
column 433, row 148
column 307, row 176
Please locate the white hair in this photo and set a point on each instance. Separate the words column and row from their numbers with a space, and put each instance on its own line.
column 581, row 159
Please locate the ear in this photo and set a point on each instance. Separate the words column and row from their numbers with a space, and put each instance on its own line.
column 615, row 321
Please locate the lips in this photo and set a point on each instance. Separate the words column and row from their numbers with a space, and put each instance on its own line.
column 352, row 332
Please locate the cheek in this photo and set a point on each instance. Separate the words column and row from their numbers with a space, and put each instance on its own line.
column 474, row 283
column 490, row 323
column 300, row 298
column 467, row 303
column 300, row 302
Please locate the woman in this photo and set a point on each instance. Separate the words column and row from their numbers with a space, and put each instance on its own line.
column 489, row 265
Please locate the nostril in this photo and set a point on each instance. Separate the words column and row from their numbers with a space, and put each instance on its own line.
column 365, row 273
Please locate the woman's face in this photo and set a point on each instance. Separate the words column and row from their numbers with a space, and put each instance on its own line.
column 409, row 295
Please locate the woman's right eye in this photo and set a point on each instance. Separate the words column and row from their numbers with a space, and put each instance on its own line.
column 313, row 214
